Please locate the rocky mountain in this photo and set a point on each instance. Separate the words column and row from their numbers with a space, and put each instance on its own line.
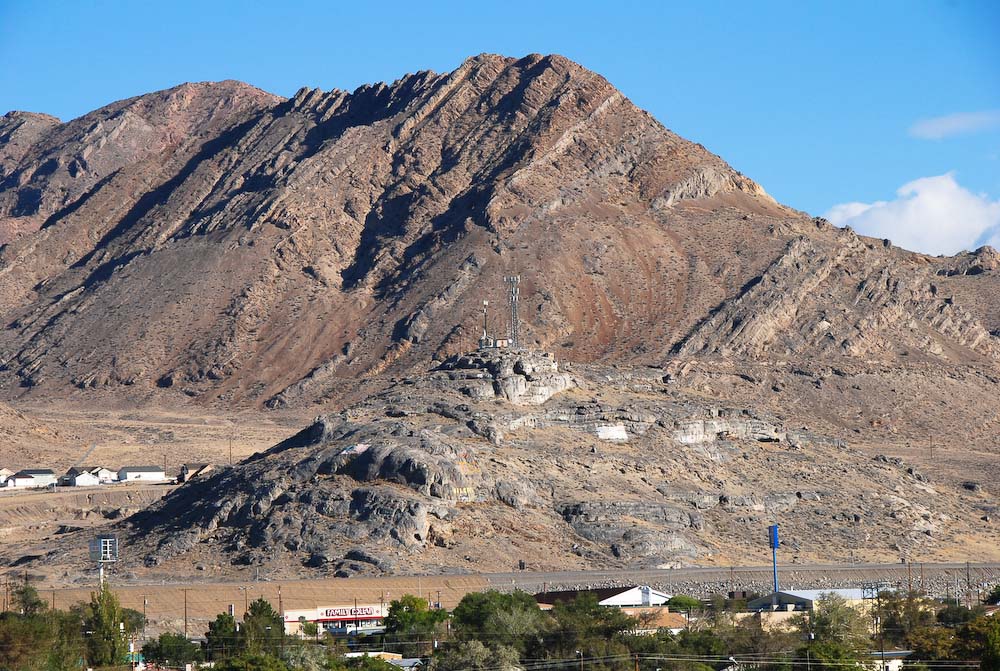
column 729, row 359
column 285, row 246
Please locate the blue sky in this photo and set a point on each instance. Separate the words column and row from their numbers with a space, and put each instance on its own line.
column 825, row 104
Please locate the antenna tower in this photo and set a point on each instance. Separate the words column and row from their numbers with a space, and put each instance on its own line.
column 515, row 334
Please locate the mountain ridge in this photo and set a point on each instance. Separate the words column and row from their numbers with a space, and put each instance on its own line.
column 697, row 359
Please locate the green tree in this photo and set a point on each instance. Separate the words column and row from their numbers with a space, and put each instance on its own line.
column 836, row 634
column 498, row 618
column 953, row 615
column 252, row 661
column 173, row 647
column 901, row 614
column 221, row 640
column 413, row 625
column 475, row 656
column 993, row 597
column 931, row 644
column 107, row 637
column 26, row 600
column 980, row 639
column 683, row 603
column 582, row 627
column 263, row 628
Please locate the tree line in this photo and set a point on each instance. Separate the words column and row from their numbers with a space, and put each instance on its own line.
column 499, row 631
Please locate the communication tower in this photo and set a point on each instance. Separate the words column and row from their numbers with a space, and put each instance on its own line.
column 515, row 335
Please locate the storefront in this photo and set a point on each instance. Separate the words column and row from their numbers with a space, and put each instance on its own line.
column 339, row 620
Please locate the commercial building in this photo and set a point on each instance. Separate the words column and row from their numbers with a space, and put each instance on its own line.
column 804, row 599
column 340, row 620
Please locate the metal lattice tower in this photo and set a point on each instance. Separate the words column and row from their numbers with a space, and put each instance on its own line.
column 515, row 335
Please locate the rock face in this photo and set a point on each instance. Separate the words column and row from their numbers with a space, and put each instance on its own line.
column 519, row 376
column 429, row 476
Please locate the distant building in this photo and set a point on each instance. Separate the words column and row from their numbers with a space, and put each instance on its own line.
column 407, row 662
column 104, row 475
column 4, row 474
column 804, row 599
column 620, row 597
column 340, row 620
column 652, row 619
column 79, row 477
column 189, row 471
column 32, row 478
column 777, row 611
column 142, row 474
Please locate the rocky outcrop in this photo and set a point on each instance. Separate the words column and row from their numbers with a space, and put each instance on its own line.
column 522, row 377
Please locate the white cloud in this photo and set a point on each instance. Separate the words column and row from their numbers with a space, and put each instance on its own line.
column 934, row 215
column 960, row 123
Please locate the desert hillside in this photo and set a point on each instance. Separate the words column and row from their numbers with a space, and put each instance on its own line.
column 712, row 359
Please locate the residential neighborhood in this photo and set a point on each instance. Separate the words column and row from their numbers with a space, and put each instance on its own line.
column 96, row 476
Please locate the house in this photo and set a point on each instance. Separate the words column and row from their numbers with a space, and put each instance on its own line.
column 32, row 478
column 104, row 475
column 4, row 474
column 142, row 474
column 409, row 663
column 618, row 597
column 189, row 471
column 80, row 476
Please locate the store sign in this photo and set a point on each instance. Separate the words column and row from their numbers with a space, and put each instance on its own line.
column 360, row 611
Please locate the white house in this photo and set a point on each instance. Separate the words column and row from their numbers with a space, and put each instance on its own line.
column 142, row 474
column 4, row 474
column 32, row 478
column 80, row 476
column 104, row 475
column 85, row 479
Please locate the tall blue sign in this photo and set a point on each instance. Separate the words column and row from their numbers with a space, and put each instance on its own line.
column 772, row 537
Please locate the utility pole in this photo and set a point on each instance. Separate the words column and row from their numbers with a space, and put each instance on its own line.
column 968, row 585
column 144, row 603
column 185, row 613
column 230, row 448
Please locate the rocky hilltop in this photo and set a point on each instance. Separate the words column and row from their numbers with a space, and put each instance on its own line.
column 497, row 456
column 723, row 358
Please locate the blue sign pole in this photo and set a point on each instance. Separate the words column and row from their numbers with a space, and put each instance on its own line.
column 772, row 532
